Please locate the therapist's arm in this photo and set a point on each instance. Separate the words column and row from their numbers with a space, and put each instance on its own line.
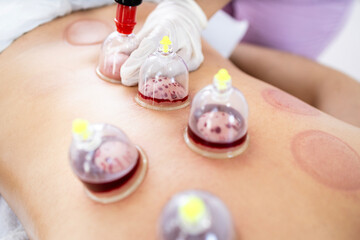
column 326, row 89
column 210, row 7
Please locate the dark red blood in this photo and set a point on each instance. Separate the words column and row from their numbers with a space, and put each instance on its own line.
column 209, row 108
column 112, row 185
column 162, row 100
column 218, row 130
column 201, row 141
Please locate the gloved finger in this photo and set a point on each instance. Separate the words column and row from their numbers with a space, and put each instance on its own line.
column 185, row 54
column 171, row 68
column 152, row 22
column 131, row 68
column 195, row 62
column 192, row 54
column 145, row 31
column 197, row 57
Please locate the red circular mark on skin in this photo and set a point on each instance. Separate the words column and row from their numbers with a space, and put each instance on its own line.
column 327, row 159
column 286, row 102
column 87, row 32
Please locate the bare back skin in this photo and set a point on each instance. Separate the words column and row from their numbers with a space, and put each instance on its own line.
column 298, row 179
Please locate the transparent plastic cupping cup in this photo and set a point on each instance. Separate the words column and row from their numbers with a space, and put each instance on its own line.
column 105, row 160
column 218, row 122
column 164, row 80
column 118, row 46
column 115, row 50
column 196, row 215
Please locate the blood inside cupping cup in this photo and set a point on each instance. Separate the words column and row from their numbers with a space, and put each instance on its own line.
column 217, row 126
column 218, row 120
column 118, row 46
column 163, row 89
column 104, row 159
column 164, row 80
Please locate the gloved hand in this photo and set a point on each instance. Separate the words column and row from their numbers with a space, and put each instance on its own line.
column 183, row 22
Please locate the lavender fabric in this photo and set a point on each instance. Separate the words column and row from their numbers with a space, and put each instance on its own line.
column 303, row 27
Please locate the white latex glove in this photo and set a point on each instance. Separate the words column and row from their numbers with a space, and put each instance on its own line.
column 18, row 16
column 183, row 22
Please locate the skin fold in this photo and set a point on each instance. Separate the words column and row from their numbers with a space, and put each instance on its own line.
column 46, row 83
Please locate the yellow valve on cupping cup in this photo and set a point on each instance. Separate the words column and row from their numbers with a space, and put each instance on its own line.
column 222, row 78
column 81, row 128
column 166, row 42
column 193, row 210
